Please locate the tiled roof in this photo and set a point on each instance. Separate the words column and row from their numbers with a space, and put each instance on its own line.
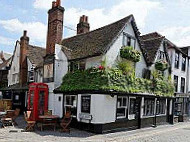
column 5, row 64
column 36, row 54
column 150, row 45
column 6, row 56
column 94, row 43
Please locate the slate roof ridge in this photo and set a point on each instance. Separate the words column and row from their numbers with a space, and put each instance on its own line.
column 131, row 15
column 153, row 38
column 34, row 46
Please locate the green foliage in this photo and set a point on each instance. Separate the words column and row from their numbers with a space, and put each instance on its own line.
column 161, row 65
column 130, row 54
column 98, row 79
column 127, row 67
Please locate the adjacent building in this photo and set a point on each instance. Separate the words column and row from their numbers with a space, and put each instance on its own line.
column 26, row 66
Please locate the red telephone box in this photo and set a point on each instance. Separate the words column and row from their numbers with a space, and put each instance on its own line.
column 37, row 99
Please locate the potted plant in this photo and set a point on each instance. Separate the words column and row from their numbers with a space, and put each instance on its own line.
column 129, row 53
column 161, row 65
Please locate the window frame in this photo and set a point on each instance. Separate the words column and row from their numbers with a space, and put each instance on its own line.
column 121, row 106
column 182, row 90
column 149, row 102
column 161, row 107
column 73, row 106
column 183, row 63
column 176, row 63
column 127, row 36
column 161, row 55
column 176, row 83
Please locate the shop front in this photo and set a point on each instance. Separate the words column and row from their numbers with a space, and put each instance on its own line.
column 101, row 113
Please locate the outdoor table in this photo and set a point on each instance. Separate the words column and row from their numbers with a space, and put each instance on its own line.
column 50, row 120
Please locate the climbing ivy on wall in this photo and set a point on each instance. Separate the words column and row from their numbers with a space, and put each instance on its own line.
column 114, row 79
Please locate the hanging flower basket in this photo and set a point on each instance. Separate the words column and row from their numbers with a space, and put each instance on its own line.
column 130, row 54
column 161, row 65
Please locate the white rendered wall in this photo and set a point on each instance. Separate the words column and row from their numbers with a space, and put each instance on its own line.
column 102, row 109
column 15, row 68
column 152, row 67
column 60, row 69
column 93, row 62
column 112, row 56
column 179, row 72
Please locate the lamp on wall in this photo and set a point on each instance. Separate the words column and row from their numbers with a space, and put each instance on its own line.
column 112, row 95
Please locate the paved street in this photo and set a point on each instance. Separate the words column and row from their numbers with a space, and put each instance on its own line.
column 168, row 133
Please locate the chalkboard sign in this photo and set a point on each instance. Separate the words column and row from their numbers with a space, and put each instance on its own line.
column 85, row 104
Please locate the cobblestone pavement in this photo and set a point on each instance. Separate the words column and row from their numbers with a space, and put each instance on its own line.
column 179, row 132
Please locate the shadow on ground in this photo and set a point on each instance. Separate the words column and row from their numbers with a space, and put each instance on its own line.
column 49, row 130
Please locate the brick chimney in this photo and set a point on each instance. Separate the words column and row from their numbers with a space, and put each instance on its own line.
column 2, row 56
column 24, row 42
column 55, row 26
column 83, row 26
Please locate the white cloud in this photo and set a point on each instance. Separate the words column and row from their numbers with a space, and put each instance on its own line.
column 178, row 35
column 42, row 4
column 36, row 30
column 6, row 41
column 100, row 17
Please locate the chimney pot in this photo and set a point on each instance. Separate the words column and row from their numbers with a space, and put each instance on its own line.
column 25, row 33
column 58, row 2
column 83, row 26
column 53, row 4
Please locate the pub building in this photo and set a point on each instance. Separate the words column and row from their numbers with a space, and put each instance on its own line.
column 102, row 112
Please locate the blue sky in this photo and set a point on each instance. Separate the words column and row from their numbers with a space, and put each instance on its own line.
column 169, row 17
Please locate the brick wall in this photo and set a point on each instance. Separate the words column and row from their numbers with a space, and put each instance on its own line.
column 55, row 27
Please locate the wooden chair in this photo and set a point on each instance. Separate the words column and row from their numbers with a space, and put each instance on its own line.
column 29, row 121
column 47, row 112
column 65, row 122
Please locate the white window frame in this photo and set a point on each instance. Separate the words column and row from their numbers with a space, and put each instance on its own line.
column 72, row 106
column 130, row 116
column 126, row 36
column 122, row 106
